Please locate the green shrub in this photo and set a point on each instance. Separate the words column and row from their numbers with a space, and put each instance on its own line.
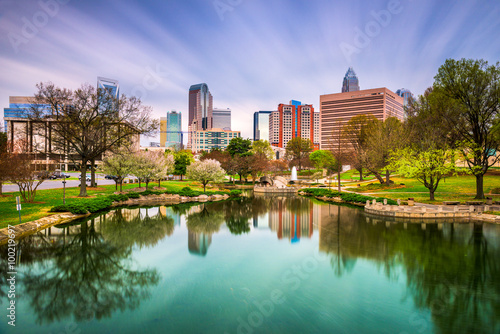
column 346, row 197
column 60, row 208
column 133, row 195
column 118, row 198
column 235, row 193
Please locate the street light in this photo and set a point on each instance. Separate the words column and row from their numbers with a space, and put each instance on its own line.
column 64, row 189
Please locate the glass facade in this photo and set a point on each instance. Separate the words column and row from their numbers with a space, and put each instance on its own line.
column 351, row 82
column 261, row 125
column 221, row 119
column 174, row 129
column 405, row 94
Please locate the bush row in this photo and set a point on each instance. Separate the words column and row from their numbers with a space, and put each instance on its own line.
column 96, row 204
column 346, row 197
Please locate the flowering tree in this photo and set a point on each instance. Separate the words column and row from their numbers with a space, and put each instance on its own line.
column 119, row 165
column 206, row 171
column 149, row 165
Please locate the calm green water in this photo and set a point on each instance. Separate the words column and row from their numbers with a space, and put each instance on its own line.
column 259, row 265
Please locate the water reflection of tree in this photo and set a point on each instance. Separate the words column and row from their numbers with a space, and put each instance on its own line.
column 464, row 298
column 127, row 227
column 89, row 278
column 454, row 275
column 205, row 220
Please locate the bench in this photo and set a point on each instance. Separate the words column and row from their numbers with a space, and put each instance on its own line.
column 451, row 203
column 474, row 203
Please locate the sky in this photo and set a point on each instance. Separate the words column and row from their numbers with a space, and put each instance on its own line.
column 252, row 54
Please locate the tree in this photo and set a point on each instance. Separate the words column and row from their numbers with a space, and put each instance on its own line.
column 152, row 165
column 382, row 138
column 428, row 156
column 239, row 146
column 258, row 164
column 182, row 159
column 23, row 171
column 428, row 166
column 119, row 165
column 87, row 122
column 475, row 88
column 354, row 132
column 206, row 171
column 226, row 161
column 263, row 147
column 323, row 159
column 240, row 151
column 298, row 150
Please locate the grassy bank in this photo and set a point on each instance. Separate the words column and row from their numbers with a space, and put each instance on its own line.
column 454, row 188
column 46, row 199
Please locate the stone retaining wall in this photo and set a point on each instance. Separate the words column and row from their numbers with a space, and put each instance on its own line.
column 28, row 228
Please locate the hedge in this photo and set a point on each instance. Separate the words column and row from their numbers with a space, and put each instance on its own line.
column 100, row 203
column 346, row 197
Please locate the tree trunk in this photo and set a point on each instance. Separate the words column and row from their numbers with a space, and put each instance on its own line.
column 139, row 181
column 387, row 177
column 83, row 180
column 93, row 183
column 1, row 184
column 379, row 178
column 159, row 185
column 338, row 176
column 121, row 183
column 181, row 177
column 116, row 184
column 204, row 185
column 360, row 174
column 431, row 194
column 147, row 182
column 479, row 187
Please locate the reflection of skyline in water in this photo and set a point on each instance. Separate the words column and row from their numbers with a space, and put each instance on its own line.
column 448, row 271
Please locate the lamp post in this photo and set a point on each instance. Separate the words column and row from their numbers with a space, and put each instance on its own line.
column 64, row 189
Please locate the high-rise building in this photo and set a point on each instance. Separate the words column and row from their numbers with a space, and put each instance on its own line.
column 206, row 140
column 261, row 125
column 109, row 86
column 200, row 109
column 171, row 130
column 351, row 82
column 405, row 94
column 337, row 109
column 221, row 119
column 291, row 121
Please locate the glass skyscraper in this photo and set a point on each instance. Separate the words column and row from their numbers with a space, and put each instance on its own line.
column 351, row 82
column 200, row 107
column 405, row 94
column 261, row 125
column 221, row 119
column 171, row 130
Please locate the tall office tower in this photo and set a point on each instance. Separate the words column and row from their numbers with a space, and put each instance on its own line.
column 351, row 82
column 200, row 110
column 221, row 119
column 261, row 125
column 171, row 130
column 291, row 121
column 200, row 107
column 337, row 109
column 405, row 94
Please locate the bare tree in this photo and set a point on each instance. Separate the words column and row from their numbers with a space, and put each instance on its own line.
column 86, row 123
column 23, row 172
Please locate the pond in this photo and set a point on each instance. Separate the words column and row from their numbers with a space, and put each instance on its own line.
column 256, row 265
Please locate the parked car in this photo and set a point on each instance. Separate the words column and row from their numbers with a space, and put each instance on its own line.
column 110, row 177
column 87, row 178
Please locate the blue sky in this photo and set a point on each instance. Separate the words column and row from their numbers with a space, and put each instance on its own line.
column 253, row 54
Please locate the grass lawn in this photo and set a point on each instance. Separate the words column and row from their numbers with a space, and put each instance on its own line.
column 46, row 199
column 454, row 188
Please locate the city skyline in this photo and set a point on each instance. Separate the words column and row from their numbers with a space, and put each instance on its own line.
column 156, row 52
